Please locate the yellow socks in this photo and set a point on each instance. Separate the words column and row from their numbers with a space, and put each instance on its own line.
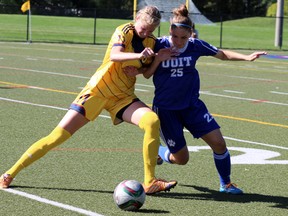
column 39, row 149
column 151, row 125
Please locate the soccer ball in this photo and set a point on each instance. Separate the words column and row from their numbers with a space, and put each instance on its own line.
column 129, row 195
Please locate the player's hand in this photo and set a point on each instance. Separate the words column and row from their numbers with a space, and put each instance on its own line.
column 256, row 55
column 146, row 53
column 166, row 54
column 131, row 71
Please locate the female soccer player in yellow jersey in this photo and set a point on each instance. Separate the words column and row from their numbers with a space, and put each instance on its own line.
column 111, row 89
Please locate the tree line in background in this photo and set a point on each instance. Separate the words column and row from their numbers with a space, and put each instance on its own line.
column 231, row 9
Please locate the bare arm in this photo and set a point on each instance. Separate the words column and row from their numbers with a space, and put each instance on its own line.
column 234, row 56
column 117, row 54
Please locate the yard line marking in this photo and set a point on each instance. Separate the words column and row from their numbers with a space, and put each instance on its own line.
column 217, row 115
column 83, row 211
column 33, row 104
column 201, row 92
column 251, row 142
column 250, row 120
column 93, row 52
column 281, row 93
column 41, row 105
column 44, row 72
column 15, row 85
column 255, row 143
column 237, row 92
column 51, row 202
column 240, row 98
column 105, row 116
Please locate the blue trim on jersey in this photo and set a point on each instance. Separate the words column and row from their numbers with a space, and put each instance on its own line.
column 78, row 109
column 117, row 44
column 177, row 82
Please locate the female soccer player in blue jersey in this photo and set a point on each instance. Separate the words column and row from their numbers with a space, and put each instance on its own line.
column 177, row 100
column 111, row 89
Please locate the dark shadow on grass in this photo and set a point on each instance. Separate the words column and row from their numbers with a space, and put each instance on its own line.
column 213, row 195
column 155, row 211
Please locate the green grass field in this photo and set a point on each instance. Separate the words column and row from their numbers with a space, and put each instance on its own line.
column 249, row 100
column 249, row 33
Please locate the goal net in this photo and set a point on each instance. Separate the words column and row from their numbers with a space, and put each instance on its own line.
column 166, row 7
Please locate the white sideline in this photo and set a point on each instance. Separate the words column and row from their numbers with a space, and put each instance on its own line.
column 50, row 202
column 79, row 210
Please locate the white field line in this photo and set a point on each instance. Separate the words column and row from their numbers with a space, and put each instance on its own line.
column 240, row 98
column 79, row 210
column 41, row 105
column 251, row 142
column 92, row 49
column 53, row 203
column 105, row 116
column 281, row 93
column 236, row 92
column 201, row 92
column 44, row 72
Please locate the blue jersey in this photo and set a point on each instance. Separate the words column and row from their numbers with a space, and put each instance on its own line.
column 176, row 81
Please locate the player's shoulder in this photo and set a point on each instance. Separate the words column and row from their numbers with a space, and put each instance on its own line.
column 164, row 40
column 201, row 43
column 126, row 28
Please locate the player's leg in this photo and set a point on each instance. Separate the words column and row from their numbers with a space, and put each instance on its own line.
column 181, row 157
column 84, row 108
column 222, row 161
column 202, row 125
column 171, row 128
column 220, row 153
column 70, row 123
column 141, row 115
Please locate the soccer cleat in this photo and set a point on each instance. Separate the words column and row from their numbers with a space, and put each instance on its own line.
column 230, row 189
column 159, row 160
column 5, row 181
column 159, row 185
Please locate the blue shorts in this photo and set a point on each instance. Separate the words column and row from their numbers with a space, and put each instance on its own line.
column 196, row 119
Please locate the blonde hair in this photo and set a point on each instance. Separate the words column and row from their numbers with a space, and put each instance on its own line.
column 181, row 18
column 150, row 15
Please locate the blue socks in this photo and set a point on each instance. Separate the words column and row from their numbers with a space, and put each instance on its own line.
column 164, row 153
column 223, row 166
column 222, row 163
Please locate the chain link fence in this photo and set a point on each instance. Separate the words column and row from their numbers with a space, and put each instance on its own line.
column 95, row 26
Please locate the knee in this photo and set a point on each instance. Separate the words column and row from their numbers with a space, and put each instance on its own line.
column 219, row 146
column 149, row 120
column 183, row 160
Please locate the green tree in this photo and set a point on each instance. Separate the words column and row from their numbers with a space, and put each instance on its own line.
column 232, row 9
column 272, row 10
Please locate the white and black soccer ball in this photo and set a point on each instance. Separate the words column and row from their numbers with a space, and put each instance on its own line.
column 129, row 195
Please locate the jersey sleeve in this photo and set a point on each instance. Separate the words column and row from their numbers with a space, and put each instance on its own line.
column 205, row 48
column 121, row 36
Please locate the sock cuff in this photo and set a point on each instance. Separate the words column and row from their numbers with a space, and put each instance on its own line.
column 221, row 156
column 167, row 155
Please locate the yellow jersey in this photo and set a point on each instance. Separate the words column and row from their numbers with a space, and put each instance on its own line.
column 110, row 81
